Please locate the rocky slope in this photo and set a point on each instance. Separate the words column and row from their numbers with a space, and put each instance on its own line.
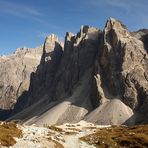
column 79, row 135
column 99, row 76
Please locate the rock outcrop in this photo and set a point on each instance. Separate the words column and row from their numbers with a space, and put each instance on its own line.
column 99, row 76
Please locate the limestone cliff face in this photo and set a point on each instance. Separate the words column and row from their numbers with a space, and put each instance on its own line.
column 123, row 65
column 142, row 35
column 77, row 61
column 99, row 76
column 15, row 73
column 122, row 68
column 43, row 79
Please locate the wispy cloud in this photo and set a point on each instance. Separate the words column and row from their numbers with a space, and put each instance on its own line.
column 19, row 10
column 130, row 10
column 119, row 4
column 25, row 12
column 124, row 4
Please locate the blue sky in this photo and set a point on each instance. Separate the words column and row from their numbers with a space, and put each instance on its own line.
column 27, row 22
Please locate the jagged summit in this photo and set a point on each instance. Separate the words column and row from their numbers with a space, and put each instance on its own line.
column 16, row 69
column 114, row 21
column 98, row 76
column 52, row 38
column 85, row 32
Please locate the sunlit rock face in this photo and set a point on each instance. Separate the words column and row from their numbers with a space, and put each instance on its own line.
column 15, row 73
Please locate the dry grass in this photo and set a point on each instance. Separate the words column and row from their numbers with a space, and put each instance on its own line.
column 7, row 133
column 54, row 128
column 90, row 127
column 70, row 125
column 60, row 130
column 119, row 136
column 57, row 144
column 69, row 133
column 74, row 129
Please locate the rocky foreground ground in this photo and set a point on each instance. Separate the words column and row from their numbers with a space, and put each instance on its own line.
column 80, row 135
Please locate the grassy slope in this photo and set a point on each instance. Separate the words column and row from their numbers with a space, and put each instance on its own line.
column 119, row 136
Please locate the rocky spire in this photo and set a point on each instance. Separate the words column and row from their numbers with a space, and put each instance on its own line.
column 50, row 42
column 121, row 53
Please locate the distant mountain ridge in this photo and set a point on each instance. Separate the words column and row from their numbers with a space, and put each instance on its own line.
column 15, row 74
column 98, row 76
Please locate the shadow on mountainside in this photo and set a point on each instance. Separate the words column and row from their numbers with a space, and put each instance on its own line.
column 27, row 98
column 69, row 85
column 48, row 76
column 145, row 41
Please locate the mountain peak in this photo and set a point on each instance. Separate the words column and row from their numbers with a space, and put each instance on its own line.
column 52, row 38
column 97, row 72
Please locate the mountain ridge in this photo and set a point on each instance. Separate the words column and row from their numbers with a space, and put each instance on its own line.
column 93, row 69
